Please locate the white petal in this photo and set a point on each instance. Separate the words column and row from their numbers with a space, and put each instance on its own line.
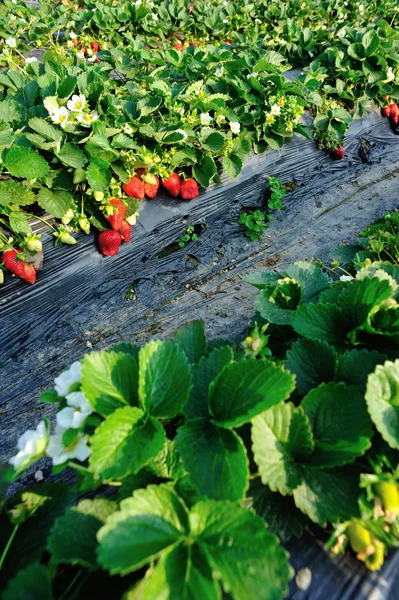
column 65, row 417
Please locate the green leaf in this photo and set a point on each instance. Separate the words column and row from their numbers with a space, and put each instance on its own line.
column 182, row 574
column 19, row 223
column 281, row 438
column 232, row 164
column 203, row 374
column 214, row 142
column 278, row 300
column 149, row 522
column 98, row 176
column 109, row 380
column 382, row 397
column 353, row 367
column 324, row 322
column 244, row 389
column 370, row 42
column 72, row 156
column 164, row 379
column 167, row 464
column 124, row 443
column 26, row 163
column 313, row 279
column 204, row 172
column 328, row 494
column 339, row 422
column 280, row 513
column 362, row 296
column 244, row 554
column 312, row 362
column 55, row 202
column 73, row 539
column 191, row 339
column 215, row 458
column 45, row 129
column 32, row 583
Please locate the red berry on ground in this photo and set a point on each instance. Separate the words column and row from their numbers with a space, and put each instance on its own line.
column 134, row 188
column 116, row 219
column 394, row 119
column 19, row 267
column 109, row 242
column 125, row 231
column 338, row 154
column 189, row 189
column 172, row 184
column 151, row 189
column 393, row 110
column 95, row 47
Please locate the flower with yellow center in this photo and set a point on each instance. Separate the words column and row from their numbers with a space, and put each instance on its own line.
column 86, row 119
column 76, row 103
column 270, row 119
column 60, row 116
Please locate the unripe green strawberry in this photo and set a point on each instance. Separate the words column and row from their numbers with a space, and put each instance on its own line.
column 67, row 218
column 389, row 494
column 84, row 224
column 132, row 220
column 359, row 537
column 65, row 237
column 1, row 276
column 98, row 196
column 34, row 244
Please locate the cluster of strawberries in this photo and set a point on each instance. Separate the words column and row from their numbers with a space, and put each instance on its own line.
column 110, row 240
column 392, row 112
column 146, row 184
column 95, row 48
column 141, row 185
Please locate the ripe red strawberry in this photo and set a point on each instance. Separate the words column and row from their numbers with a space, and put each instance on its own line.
column 140, row 172
column 134, row 188
column 125, row 231
column 227, row 43
column 386, row 111
column 178, row 46
column 19, row 267
column 338, row 154
column 98, row 60
column 172, row 184
column 393, row 110
column 151, row 189
column 394, row 119
column 75, row 42
column 109, row 242
column 189, row 189
column 196, row 44
column 83, row 49
column 117, row 218
column 95, row 47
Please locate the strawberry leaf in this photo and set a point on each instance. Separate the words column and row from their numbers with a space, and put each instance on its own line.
column 26, row 163
column 382, row 397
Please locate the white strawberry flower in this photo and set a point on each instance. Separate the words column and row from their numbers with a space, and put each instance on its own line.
column 254, row 74
column 77, row 103
column 341, row 33
column 30, row 59
column 205, row 118
column 31, row 445
column 80, row 54
column 76, row 411
column 127, row 128
column 60, row 453
column 346, row 278
column 275, row 109
column 86, row 119
column 72, row 35
column 11, row 42
column 258, row 21
column 225, row 20
column 155, row 16
column 137, row 4
column 219, row 71
column 235, row 127
column 220, row 119
column 60, row 116
column 92, row 59
column 390, row 75
column 67, row 379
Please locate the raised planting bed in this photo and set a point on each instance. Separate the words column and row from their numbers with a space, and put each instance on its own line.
column 84, row 297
